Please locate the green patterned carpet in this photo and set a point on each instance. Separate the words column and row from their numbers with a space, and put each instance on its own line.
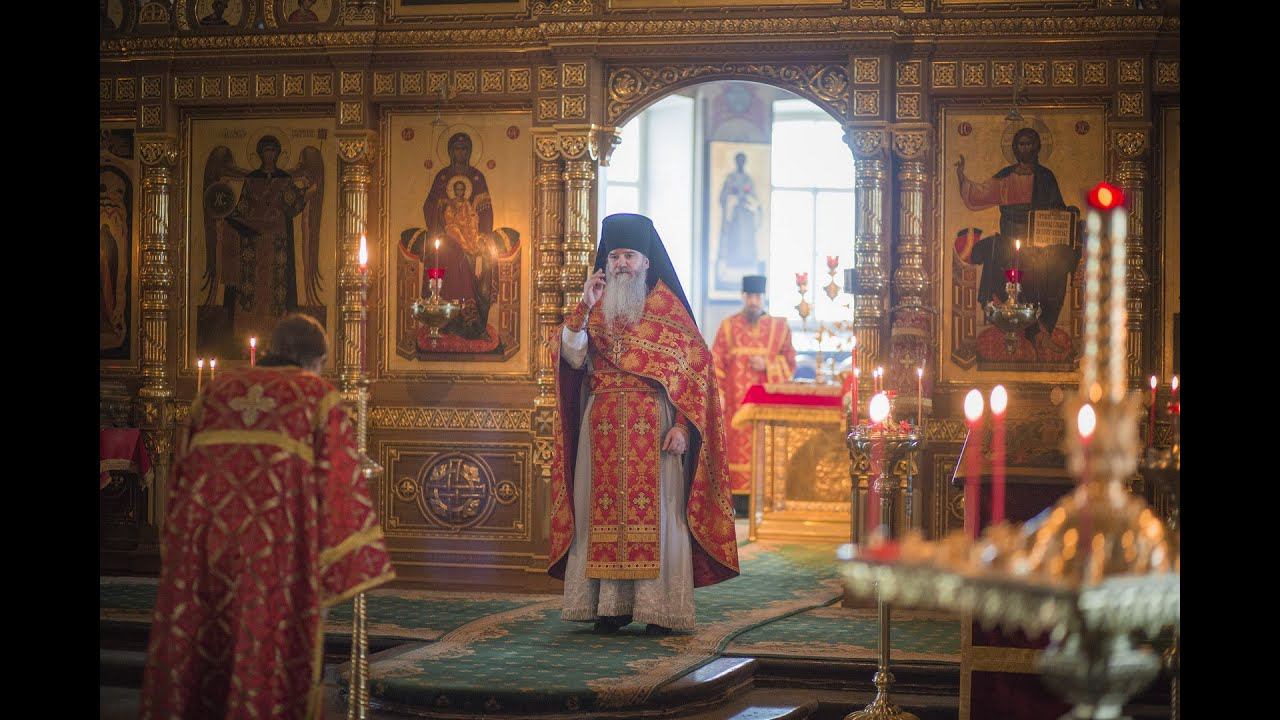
column 837, row 633
column 528, row 660
column 392, row 614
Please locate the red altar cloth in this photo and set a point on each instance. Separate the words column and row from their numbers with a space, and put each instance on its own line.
column 765, row 401
column 122, row 449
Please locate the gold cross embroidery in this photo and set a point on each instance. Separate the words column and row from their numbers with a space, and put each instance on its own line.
column 252, row 404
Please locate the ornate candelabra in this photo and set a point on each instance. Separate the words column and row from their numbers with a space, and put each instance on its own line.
column 434, row 311
column 1012, row 316
column 891, row 443
column 1097, row 568
column 825, row 329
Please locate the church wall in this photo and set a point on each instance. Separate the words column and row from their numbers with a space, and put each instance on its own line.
column 464, row 432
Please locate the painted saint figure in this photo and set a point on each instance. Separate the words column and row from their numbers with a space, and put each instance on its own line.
column 1017, row 190
column 114, row 198
column 741, row 216
column 304, row 13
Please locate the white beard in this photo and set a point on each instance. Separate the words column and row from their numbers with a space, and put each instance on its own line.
column 624, row 297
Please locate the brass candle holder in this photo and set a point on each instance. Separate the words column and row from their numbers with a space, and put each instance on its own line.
column 896, row 444
column 1012, row 316
column 433, row 311
column 803, row 308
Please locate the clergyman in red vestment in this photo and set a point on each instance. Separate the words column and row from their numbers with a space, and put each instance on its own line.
column 641, row 512
column 751, row 348
column 269, row 522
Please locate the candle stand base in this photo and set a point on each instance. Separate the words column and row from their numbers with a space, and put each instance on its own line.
column 882, row 708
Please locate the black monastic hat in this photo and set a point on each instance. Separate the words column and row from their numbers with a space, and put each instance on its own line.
column 636, row 232
column 753, row 283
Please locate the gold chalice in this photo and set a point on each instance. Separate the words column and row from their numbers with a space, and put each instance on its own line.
column 433, row 311
column 1011, row 316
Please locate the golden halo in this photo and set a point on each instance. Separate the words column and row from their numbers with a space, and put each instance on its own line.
column 252, row 147
column 1011, row 128
column 448, row 187
column 442, row 144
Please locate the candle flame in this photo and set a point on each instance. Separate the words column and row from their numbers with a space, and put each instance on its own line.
column 253, row 342
column 364, row 252
column 213, row 363
column 973, row 405
column 1095, row 392
column 437, row 243
column 1086, row 421
column 879, row 371
column 1173, row 384
column 879, row 407
column 1153, row 382
column 1017, row 245
column 999, row 400
column 857, row 372
column 200, row 363
column 920, row 373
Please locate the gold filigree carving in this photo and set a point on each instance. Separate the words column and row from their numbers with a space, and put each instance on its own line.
column 464, row 81
column 574, row 146
column 548, row 109
column 450, row 418
column 436, row 79
column 909, row 73
column 210, row 87
column 573, row 75
column 1033, row 72
column 866, row 102
column 973, row 74
column 411, row 83
column 604, row 140
column 322, row 84
column 126, row 88
column 518, row 80
column 184, row 87
column 104, row 89
column 547, row 147
column 351, row 82
column 158, row 151
column 574, row 106
column 1130, row 71
column 563, row 7
column 238, row 86
column 546, row 78
column 827, row 85
column 1095, row 72
column 293, row 84
column 1064, row 72
column 866, row 143
column 350, row 113
column 1002, row 73
column 910, row 144
column 866, row 71
column 491, row 81
column 265, row 85
column 944, row 74
column 154, row 13
column 150, row 116
column 355, row 147
column 384, row 83
column 1167, row 72
column 1130, row 104
column 1131, row 144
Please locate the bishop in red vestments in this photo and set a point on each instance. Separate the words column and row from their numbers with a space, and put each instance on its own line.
column 751, row 348
column 269, row 522
column 641, row 511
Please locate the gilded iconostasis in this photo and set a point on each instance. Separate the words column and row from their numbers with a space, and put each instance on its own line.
column 247, row 146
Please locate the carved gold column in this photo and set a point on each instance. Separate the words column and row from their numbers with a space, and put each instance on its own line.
column 355, row 153
column 868, row 245
column 579, row 180
column 909, row 341
column 153, row 409
column 548, row 233
column 1131, row 175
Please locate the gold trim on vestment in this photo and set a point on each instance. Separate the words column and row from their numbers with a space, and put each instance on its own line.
column 326, row 404
column 366, row 585
column 108, row 465
column 353, row 542
column 254, row 437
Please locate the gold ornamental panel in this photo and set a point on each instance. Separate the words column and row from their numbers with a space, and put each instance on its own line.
column 447, row 418
column 463, row 491
column 491, row 81
column 1167, row 72
column 437, row 80
column 518, row 80
column 974, row 74
column 909, row 73
column 1095, row 72
column 944, row 74
column 321, row 84
column 352, row 82
column 411, row 83
column 866, row 71
column 908, row 106
column 384, row 83
column 1130, row 71
column 1003, row 72
column 1065, row 72
column 1034, row 72
column 265, row 85
column 294, row 84
column 125, row 88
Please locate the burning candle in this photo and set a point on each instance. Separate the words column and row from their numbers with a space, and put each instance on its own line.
column 878, row 410
column 880, row 379
column 973, row 464
column 1151, row 416
column 253, row 351
column 1017, row 251
column 999, row 401
column 919, row 395
column 199, row 374
column 1092, row 301
column 437, row 262
column 213, row 369
column 1173, row 388
column 1117, row 353
column 363, row 256
column 1086, row 421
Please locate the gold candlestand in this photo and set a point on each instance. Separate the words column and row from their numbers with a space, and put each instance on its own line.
column 897, row 444
column 434, row 311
